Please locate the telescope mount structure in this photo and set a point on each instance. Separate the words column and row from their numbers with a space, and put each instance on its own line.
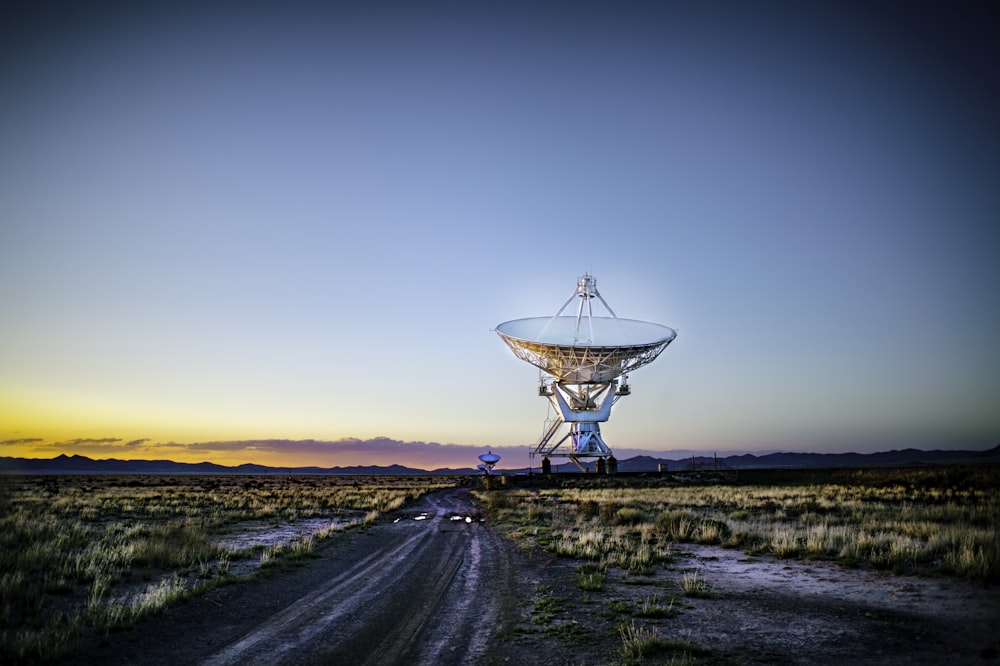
column 584, row 362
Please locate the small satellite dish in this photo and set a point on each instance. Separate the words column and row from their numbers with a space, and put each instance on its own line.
column 585, row 355
column 490, row 458
column 488, row 461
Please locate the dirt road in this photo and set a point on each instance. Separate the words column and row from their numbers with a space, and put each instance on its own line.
column 427, row 587
column 424, row 587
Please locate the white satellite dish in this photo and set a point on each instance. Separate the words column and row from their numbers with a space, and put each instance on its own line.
column 584, row 355
column 487, row 461
column 598, row 349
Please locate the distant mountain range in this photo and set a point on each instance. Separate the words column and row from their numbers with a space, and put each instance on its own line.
column 814, row 460
column 82, row 465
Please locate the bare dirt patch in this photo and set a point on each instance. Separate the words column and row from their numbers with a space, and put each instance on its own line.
column 756, row 610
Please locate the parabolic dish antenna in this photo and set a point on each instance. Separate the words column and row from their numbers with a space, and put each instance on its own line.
column 585, row 356
column 487, row 461
column 598, row 349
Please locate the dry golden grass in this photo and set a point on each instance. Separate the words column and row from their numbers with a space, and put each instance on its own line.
column 99, row 552
column 940, row 520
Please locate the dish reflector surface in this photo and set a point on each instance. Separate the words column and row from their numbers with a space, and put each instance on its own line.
column 585, row 350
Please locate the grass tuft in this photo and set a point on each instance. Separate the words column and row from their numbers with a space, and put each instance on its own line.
column 694, row 586
column 74, row 550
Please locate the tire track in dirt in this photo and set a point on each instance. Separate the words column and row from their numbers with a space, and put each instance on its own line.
column 409, row 601
column 298, row 624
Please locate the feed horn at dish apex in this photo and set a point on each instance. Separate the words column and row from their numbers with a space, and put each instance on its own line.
column 584, row 360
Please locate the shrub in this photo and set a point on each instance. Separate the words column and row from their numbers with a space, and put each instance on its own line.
column 676, row 525
column 713, row 531
column 587, row 509
column 495, row 499
column 627, row 515
column 592, row 581
column 608, row 510
column 537, row 513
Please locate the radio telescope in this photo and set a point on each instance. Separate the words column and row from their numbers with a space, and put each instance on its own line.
column 584, row 361
column 487, row 461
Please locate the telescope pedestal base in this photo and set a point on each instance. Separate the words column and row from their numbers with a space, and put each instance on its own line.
column 582, row 441
column 587, row 440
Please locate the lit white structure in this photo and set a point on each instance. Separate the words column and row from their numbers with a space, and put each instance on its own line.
column 487, row 461
column 584, row 356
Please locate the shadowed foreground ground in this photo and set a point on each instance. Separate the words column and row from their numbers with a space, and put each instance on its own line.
column 425, row 586
column 420, row 588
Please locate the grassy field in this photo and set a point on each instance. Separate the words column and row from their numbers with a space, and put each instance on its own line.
column 624, row 538
column 935, row 520
column 96, row 553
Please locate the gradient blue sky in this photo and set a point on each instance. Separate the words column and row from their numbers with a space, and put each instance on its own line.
column 302, row 221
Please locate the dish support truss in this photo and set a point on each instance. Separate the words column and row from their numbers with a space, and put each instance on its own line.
column 585, row 365
column 584, row 388
column 577, row 405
